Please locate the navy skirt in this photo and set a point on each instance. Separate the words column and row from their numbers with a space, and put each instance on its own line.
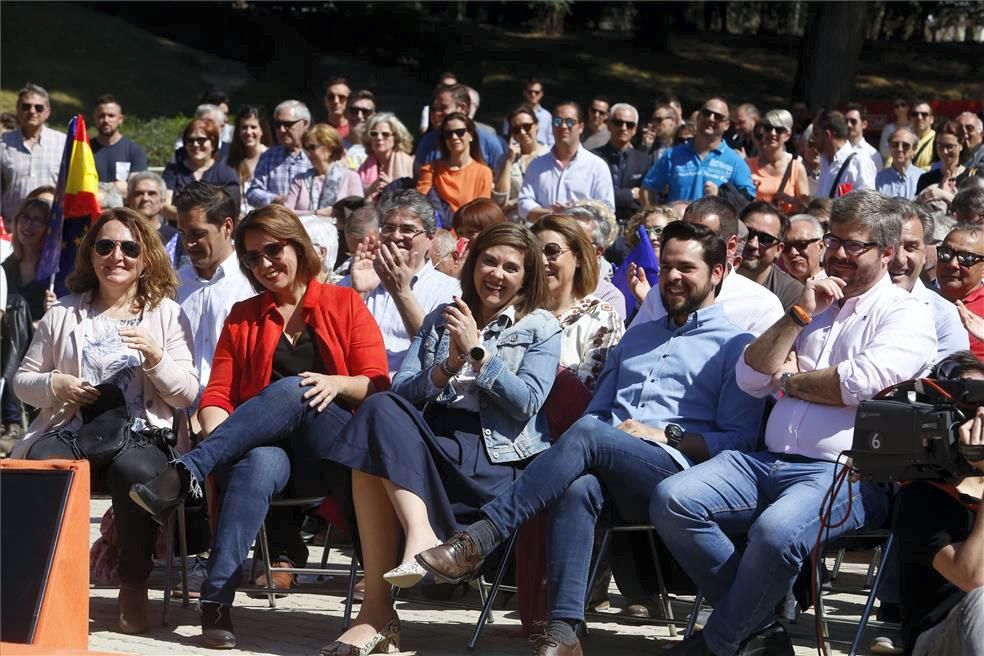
column 438, row 454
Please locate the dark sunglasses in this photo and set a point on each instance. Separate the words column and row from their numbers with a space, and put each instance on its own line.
column 457, row 132
column 196, row 141
column 569, row 122
column 767, row 127
column 966, row 259
column 765, row 240
column 362, row 111
column 522, row 127
column 104, row 247
column 534, row 92
column 26, row 107
column 272, row 251
column 376, row 133
column 599, row 112
column 906, row 147
column 919, row 114
column 852, row 247
column 286, row 125
column 336, row 96
column 552, row 251
column 710, row 113
column 801, row 244
column 619, row 123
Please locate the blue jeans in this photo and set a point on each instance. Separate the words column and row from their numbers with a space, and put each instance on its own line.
column 571, row 478
column 776, row 504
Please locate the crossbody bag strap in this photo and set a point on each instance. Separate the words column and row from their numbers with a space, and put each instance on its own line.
column 786, row 174
column 840, row 174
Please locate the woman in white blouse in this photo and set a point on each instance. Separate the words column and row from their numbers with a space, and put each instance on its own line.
column 590, row 327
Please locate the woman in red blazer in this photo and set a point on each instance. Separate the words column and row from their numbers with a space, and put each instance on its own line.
column 291, row 366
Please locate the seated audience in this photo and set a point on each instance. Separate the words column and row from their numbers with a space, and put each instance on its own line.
column 627, row 165
column 902, row 177
column 599, row 231
column 389, row 147
column 197, row 161
column 360, row 224
column 279, row 166
column 448, row 100
column 324, row 239
column 145, row 195
column 960, row 272
column 778, row 175
column 765, row 243
column 653, row 220
column 803, row 251
column 475, row 216
column 460, row 175
column 448, row 252
column 968, row 205
column 250, row 139
column 941, row 183
column 328, row 180
column 361, row 107
column 28, row 226
column 118, row 327
column 522, row 149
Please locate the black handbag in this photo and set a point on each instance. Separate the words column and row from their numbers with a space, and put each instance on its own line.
column 106, row 427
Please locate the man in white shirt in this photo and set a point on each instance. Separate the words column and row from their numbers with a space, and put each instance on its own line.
column 567, row 173
column 394, row 274
column 850, row 336
column 856, row 116
column 842, row 170
column 212, row 282
column 747, row 304
column 804, row 248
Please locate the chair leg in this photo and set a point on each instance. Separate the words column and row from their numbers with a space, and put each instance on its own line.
column 487, row 607
column 183, row 551
column 664, row 597
column 818, row 602
column 694, row 613
column 267, row 565
column 886, row 552
column 353, row 574
column 168, row 567
column 838, row 561
column 596, row 565
column 324, row 551
column 876, row 556
column 483, row 595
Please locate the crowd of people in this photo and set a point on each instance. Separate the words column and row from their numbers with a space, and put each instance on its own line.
column 431, row 335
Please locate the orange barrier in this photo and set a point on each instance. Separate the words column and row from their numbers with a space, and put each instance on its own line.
column 63, row 619
column 15, row 649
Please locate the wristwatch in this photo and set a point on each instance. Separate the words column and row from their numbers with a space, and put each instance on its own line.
column 476, row 354
column 674, row 434
column 783, row 379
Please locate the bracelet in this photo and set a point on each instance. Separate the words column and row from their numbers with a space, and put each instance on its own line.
column 799, row 316
column 447, row 371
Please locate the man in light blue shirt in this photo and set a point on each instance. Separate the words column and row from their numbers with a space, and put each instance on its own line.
column 568, row 173
column 900, row 179
column 699, row 167
column 279, row 165
column 666, row 399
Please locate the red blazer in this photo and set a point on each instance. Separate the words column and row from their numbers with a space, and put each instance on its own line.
column 348, row 340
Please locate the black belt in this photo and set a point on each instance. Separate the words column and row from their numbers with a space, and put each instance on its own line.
column 793, row 457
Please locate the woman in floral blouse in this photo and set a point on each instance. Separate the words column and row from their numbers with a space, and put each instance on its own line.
column 590, row 326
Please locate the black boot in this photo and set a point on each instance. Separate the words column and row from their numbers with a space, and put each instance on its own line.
column 217, row 626
column 161, row 495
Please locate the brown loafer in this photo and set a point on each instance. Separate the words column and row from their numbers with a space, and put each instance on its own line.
column 454, row 561
column 278, row 580
column 545, row 644
column 134, row 608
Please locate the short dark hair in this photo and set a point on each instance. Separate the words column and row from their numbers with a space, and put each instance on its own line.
column 968, row 201
column 828, row 119
column 715, row 248
column 716, row 206
column 213, row 96
column 762, row 207
column 571, row 103
column 459, row 94
column 363, row 94
column 532, row 79
column 857, row 107
column 217, row 203
column 336, row 80
column 603, row 99
column 107, row 99
column 957, row 365
column 522, row 109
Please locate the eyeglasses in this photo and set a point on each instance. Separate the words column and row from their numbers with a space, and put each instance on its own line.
column 765, row 240
column 35, row 220
column 966, row 259
column 405, row 231
column 915, row 114
column 104, row 247
column 655, row 231
column 552, row 251
column 361, row 111
column 619, row 123
column 456, row 132
column 969, row 128
column 336, row 97
column 947, row 147
column 901, row 145
column 525, row 128
column 273, row 252
column 196, row 141
column 800, row 244
column 375, row 134
column 710, row 113
column 26, row 107
column 569, row 122
column 852, row 247
column 766, row 127
column 286, row 125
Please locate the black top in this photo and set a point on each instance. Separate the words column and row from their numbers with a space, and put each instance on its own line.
column 302, row 356
column 933, row 177
column 927, row 519
column 125, row 152
column 628, row 168
column 177, row 176
column 31, row 290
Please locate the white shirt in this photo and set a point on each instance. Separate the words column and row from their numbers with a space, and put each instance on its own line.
column 951, row 336
column 430, row 287
column 745, row 303
column 865, row 149
column 586, row 177
column 207, row 303
column 860, row 172
column 877, row 339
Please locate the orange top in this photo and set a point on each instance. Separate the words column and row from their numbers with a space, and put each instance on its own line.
column 456, row 186
column 766, row 186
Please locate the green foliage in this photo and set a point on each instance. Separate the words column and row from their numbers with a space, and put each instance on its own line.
column 156, row 135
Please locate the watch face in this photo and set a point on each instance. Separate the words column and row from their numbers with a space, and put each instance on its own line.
column 674, row 432
column 477, row 353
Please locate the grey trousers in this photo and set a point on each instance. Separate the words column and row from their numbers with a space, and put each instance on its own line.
column 960, row 634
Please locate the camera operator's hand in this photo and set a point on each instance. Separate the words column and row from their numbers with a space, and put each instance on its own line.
column 972, row 433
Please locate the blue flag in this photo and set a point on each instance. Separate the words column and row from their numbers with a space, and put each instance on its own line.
column 642, row 255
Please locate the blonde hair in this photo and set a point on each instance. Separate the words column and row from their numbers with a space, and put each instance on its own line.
column 27, row 205
column 640, row 218
column 325, row 135
column 586, row 272
column 402, row 140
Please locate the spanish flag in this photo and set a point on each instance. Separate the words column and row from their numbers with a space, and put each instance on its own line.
column 75, row 208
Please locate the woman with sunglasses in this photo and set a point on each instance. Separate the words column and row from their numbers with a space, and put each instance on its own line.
column 389, row 145
column 778, row 175
column 512, row 165
column 462, row 419
column 250, row 139
column 118, row 326
column 328, row 180
column 198, row 159
column 461, row 174
column 653, row 220
column 291, row 365
column 942, row 183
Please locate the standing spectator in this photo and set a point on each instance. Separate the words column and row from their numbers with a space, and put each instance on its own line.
column 567, row 173
column 698, row 167
column 279, row 165
column 921, row 118
column 533, row 91
column 596, row 130
column 116, row 156
column 901, row 110
column 447, row 100
column 842, row 170
column 960, row 270
column 250, row 139
column 460, row 175
column 766, row 233
column 802, row 256
column 361, row 107
column 811, row 160
column 941, row 183
column 512, row 165
column 663, row 125
column 336, row 99
column 971, row 135
column 901, row 178
column 627, row 165
column 775, row 166
column 741, row 136
column 32, row 153
column 388, row 144
column 328, row 180
column 145, row 195
column 856, row 117
column 199, row 162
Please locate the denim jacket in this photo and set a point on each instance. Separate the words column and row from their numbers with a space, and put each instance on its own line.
column 513, row 383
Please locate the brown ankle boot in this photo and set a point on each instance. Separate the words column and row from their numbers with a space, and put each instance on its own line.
column 134, row 608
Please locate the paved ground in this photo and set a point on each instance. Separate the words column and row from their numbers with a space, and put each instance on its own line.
column 302, row 623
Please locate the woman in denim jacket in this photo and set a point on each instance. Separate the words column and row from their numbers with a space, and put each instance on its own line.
column 459, row 424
